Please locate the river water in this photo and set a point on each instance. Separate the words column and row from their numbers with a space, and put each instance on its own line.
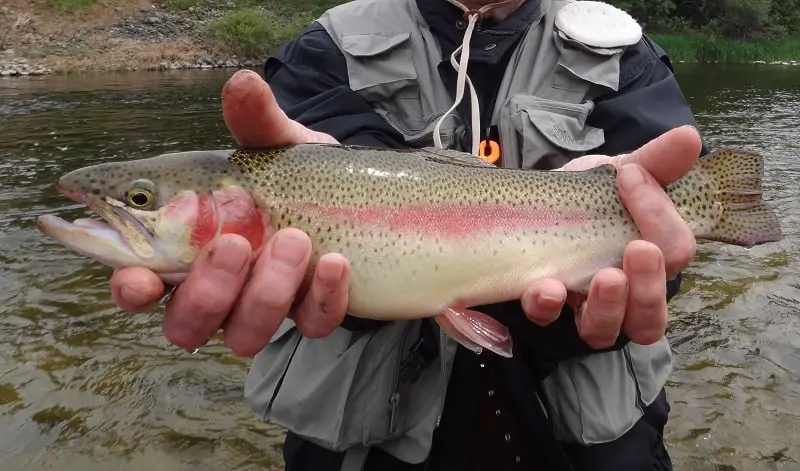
column 86, row 387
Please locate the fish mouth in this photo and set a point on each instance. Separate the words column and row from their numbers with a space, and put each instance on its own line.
column 118, row 240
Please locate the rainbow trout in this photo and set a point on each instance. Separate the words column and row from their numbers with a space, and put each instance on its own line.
column 428, row 232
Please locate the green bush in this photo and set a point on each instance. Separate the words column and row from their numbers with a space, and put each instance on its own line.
column 251, row 32
column 736, row 19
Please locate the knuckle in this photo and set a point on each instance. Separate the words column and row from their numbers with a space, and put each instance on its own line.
column 601, row 327
column 648, row 309
column 317, row 320
column 278, row 298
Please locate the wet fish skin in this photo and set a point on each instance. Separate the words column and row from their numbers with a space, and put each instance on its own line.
column 430, row 232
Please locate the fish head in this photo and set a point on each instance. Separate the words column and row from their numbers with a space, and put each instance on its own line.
column 157, row 212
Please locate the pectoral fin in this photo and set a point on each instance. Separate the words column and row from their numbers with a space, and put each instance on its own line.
column 475, row 331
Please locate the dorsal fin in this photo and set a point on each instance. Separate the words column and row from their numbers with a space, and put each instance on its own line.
column 453, row 157
column 446, row 156
column 605, row 169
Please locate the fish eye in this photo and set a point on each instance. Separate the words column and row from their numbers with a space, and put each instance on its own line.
column 139, row 198
column 140, row 195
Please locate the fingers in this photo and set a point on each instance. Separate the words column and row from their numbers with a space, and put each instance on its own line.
column 201, row 303
column 600, row 318
column 656, row 217
column 270, row 292
column 136, row 289
column 632, row 300
column 323, row 308
column 254, row 118
column 646, row 317
column 543, row 301
column 668, row 157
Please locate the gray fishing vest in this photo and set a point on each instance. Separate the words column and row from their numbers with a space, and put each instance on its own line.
column 353, row 390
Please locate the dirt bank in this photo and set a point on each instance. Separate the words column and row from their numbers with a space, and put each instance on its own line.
column 45, row 36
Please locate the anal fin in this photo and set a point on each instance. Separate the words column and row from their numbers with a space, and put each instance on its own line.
column 475, row 331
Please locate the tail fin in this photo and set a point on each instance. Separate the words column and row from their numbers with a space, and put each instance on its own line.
column 746, row 219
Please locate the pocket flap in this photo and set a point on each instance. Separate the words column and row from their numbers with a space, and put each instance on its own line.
column 380, row 66
column 563, row 124
column 599, row 66
column 368, row 45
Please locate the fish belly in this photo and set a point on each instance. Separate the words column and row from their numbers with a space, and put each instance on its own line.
column 414, row 275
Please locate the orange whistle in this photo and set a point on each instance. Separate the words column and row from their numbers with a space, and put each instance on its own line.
column 493, row 151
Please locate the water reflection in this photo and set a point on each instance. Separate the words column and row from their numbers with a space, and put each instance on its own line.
column 85, row 387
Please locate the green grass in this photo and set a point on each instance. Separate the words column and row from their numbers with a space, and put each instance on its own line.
column 704, row 48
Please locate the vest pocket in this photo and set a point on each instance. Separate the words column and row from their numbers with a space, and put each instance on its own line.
column 583, row 413
column 548, row 133
column 380, row 65
column 597, row 398
column 339, row 391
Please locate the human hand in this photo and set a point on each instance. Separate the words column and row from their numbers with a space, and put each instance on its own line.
column 218, row 292
column 632, row 299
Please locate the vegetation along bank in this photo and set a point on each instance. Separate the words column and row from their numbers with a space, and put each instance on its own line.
column 62, row 36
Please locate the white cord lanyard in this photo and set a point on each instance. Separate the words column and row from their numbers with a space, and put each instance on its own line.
column 463, row 79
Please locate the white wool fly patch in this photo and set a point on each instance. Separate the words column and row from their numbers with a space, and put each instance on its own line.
column 598, row 24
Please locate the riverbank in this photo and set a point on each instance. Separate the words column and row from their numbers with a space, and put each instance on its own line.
column 711, row 49
column 68, row 36
column 71, row 36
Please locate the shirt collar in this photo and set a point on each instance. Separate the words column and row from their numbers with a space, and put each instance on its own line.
column 447, row 23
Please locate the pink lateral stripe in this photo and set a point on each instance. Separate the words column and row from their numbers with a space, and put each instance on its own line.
column 447, row 219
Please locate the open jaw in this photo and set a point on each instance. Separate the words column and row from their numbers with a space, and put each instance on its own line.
column 119, row 240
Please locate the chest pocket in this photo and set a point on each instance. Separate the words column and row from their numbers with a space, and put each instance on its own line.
column 545, row 126
column 381, row 69
column 547, row 133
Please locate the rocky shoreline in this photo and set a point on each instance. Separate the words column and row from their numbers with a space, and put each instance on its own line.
column 151, row 38
column 143, row 37
column 21, row 67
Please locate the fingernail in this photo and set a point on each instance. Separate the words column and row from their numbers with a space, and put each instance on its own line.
column 133, row 296
column 229, row 257
column 631, row 176
column 643, row 264
column 289, row 250
column 330, row 272
column 542, row 298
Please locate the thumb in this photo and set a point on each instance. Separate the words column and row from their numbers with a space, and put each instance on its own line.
column 668, row 157
column 254, row 118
